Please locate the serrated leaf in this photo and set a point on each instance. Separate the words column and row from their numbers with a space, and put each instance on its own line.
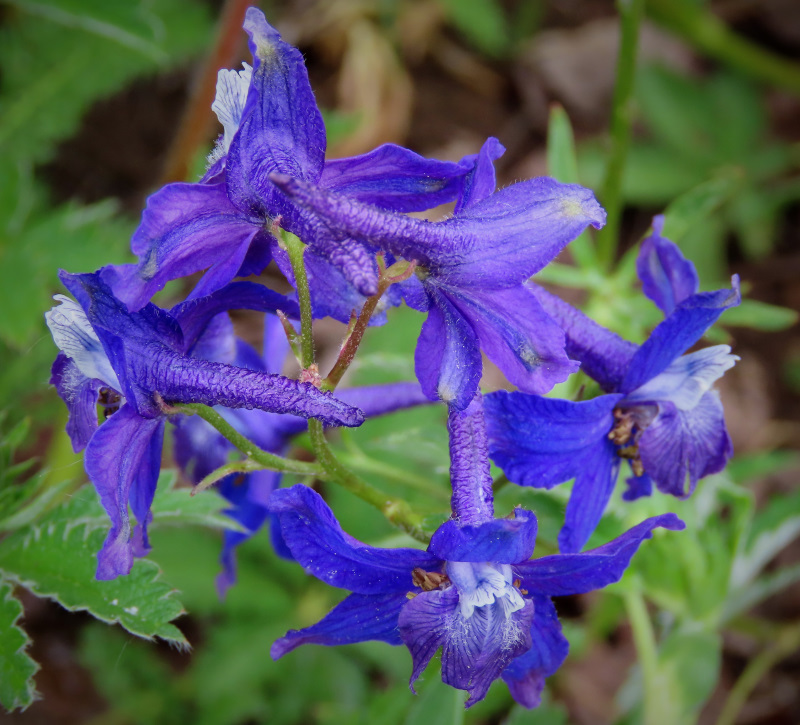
column 58, row 560
column 17, row 689
column 178, row 506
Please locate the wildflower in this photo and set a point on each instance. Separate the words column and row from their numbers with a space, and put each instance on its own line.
column 661, row 415
column 135, row 365
column 474, row 593
column 200, row 449
column 471, row 273
column 226, row 223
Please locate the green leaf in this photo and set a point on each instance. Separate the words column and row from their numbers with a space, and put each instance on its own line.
column 482, row 22
column 178, row 506
column 17, row 689
column 754, row 592
column 562, row 163
column 690, row 661
column 760, row 316
column 57, row 560
column 695, row 205
column 777, row 525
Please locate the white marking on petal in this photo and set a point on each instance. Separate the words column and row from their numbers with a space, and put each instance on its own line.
column 480, row 584
column 687, row 379
column 232, row 88
column 74, row 336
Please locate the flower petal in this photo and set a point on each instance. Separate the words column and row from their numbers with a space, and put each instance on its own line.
column 682, row 329
column 604, row 356
column 481, row 181
column 185, row 228
column 505, row 541
column 687, row 379
column 360, row 617
column 79, row 394
column 194, row 315
column 593, row 487
column 542, row 442
column 564, row 574
column 393, row 177
column 249, row 497
column 281, row 128
column 318, row 543
column 517, row 336
column 668, row 278
column 686, row 444
column 447, row 359
column 73, row 334
column 375, row 400
column 526, row 674
column 123, row 456
column 475, row 649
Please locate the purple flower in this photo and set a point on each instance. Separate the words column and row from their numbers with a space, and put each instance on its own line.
column 472, row 273
column 661, row 415
column 475, row 594
column 134, row 363
column 224, row 224
column 200, row 449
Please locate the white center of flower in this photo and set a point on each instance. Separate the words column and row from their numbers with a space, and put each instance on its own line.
column 687, row 379
column 232, row 88
column 73, row 334
column 483, row 583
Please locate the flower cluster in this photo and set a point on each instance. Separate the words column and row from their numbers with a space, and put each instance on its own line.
column 475, row 592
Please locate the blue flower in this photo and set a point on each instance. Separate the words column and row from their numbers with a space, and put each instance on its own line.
column 132, row 364
column 225, row 224
column 474, row 593
column 661, row 415
column 200, row 449
column 471, row 273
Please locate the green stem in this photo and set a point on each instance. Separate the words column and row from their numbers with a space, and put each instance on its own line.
column 398, row 272
column 248, row 465
column 295, row 248
column 712, row 36
column 397, row 511
column 784, row 645
column 646, row 649
column 246, row 446
column 631, row 12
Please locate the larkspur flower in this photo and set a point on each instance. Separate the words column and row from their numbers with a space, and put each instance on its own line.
column 226, row 223
column 474, row 593
column 200, row 449
column 661, row 415
column 471, row 273
column 132, row 364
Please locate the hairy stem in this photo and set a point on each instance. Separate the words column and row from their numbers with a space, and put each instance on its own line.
column 296, row 249
column 397, row 511
column 263, row 458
